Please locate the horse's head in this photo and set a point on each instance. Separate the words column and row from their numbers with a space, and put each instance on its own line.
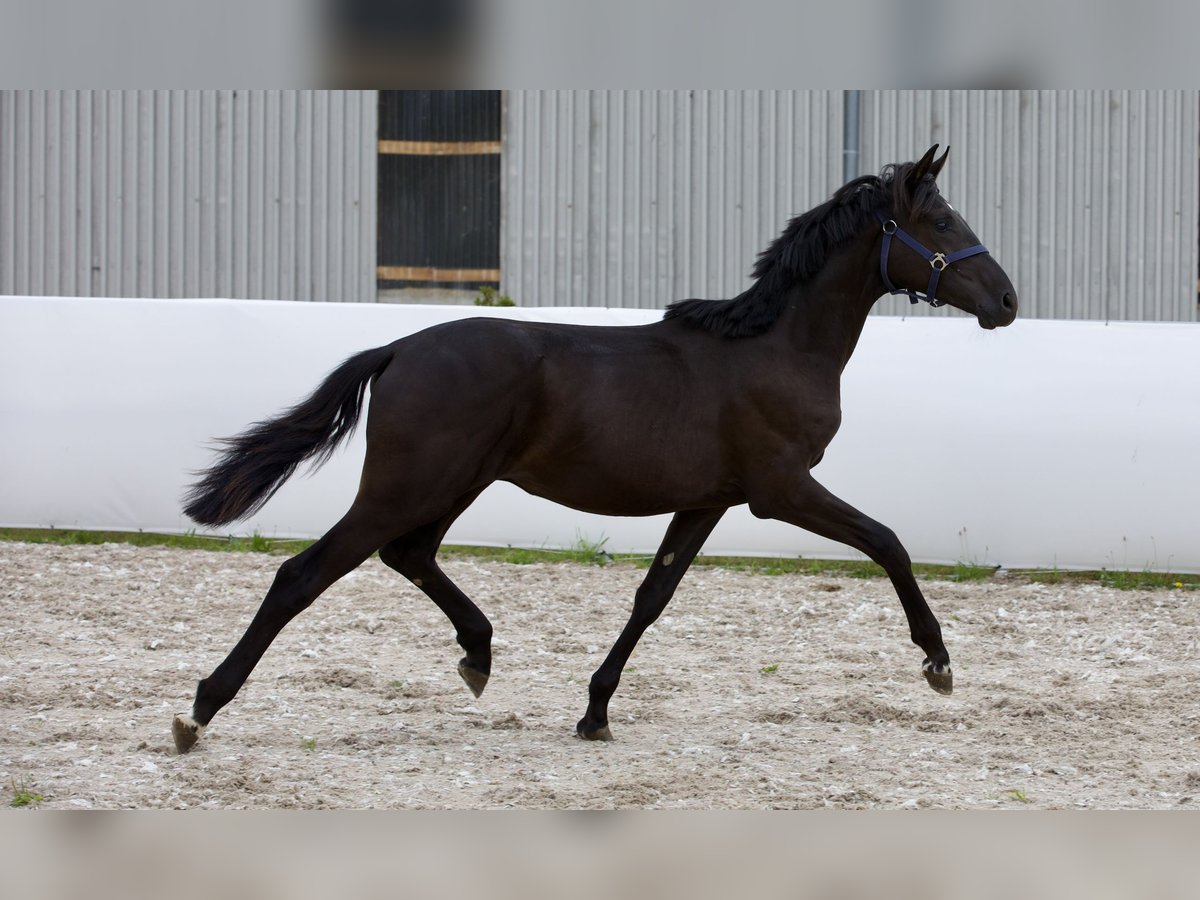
column 928, row 251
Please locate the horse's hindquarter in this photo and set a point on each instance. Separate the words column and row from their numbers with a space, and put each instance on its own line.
column 444, row 415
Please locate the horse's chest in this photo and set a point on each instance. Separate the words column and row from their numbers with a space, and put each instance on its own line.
column 823, row 424
column 799, row 433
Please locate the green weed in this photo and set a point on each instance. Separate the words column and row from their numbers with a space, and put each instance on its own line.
column 489, row 296
column 770, row 670
column 23, row 796
column 588, row 552
column 260, row 544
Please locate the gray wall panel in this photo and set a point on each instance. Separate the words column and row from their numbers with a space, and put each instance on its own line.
column 638, row 198
column 257, row 194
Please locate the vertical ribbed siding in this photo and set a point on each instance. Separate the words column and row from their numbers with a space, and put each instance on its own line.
column 246, row 194
column 1087, row 198
column 639, row 198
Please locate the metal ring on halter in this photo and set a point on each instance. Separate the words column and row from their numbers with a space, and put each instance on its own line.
column 938, row 262
column 891, row 222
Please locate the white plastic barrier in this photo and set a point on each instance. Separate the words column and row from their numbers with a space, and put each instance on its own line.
column 1069, row 444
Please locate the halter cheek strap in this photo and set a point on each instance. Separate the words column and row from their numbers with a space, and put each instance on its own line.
column 937, row 261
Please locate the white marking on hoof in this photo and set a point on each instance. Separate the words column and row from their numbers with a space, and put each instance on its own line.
column 668, row 559
column 186, row 731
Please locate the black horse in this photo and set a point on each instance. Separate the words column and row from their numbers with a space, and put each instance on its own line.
column 720, row 403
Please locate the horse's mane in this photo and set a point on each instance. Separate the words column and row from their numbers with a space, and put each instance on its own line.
column 800, row 252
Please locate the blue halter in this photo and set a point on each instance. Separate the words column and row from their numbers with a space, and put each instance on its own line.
column 937, row 261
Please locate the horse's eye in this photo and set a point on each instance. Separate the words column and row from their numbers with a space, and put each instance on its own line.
column 941, row 225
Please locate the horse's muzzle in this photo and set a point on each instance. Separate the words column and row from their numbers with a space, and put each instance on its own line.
column 1002, row 315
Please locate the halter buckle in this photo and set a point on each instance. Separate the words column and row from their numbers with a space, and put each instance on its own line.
column 892, row 230
column 938, row 262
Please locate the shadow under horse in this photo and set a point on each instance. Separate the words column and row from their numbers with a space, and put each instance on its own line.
column 722, row 402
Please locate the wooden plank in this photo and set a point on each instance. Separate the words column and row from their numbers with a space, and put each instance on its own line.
column 439, row 148
column 422, row 273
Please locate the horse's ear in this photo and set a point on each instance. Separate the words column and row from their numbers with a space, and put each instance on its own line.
column 935, row 168
column 921, row 168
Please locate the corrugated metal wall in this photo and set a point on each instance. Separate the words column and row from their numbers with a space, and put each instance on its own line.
column 259, row 194
column 610, row 198
column 1089, row 199
column 638, row 198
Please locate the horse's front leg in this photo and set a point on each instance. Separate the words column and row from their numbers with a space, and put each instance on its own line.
column 811, row 507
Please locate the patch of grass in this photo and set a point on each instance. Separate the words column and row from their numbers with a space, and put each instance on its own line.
column 1017, row 794
column 770, row 670
column 1115, row 578
column 584, row 550
column 23, row 796
column 256, row 543
column 845, row 568
column 592, row 552
column 309, row 744
column 970, row 572
column 767, row 565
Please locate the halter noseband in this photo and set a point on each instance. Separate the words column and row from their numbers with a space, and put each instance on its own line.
column 937, row 261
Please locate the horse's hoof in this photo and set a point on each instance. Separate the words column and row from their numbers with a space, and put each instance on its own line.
column 603, row 733
column 186, row 732
column 475, row 679
column 939, row 676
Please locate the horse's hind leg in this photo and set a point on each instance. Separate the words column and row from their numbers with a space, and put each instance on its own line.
column 414, row 557
column 685, row 536
column 299, row 581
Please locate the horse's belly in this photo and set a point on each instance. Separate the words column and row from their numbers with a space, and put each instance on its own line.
column 627, row 491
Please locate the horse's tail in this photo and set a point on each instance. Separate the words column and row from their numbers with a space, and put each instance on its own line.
column 256, row 463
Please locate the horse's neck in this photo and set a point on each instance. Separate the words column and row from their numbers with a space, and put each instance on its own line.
column 826, row 314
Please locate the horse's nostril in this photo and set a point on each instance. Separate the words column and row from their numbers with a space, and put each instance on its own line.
column 1008, row 301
